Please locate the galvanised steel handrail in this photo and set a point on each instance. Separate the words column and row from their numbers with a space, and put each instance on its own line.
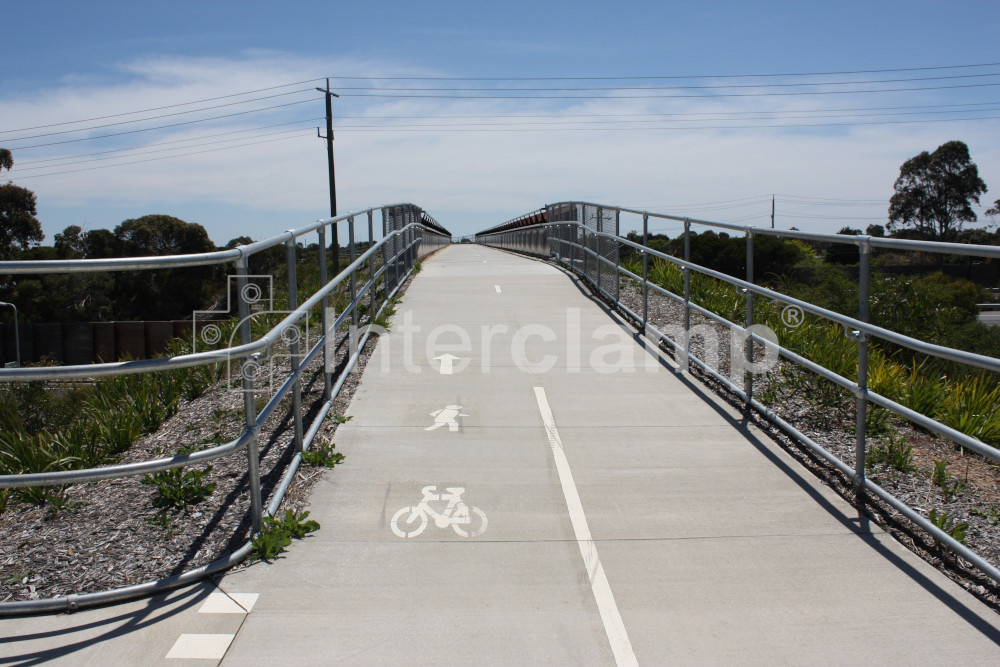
column 565, row 229
column 415, row 240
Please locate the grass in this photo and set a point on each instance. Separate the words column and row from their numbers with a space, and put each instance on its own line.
column 968, row 402
column 84, row 426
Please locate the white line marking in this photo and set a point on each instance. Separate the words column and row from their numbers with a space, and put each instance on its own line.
column 232, row 603
column 497, row 288
column 612, row 619
column 201, row 647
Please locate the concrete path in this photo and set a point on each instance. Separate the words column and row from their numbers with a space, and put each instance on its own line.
column 517, row 495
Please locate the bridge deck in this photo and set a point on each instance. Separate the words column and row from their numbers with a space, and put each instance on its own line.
column 716, row 545
column 628, row 514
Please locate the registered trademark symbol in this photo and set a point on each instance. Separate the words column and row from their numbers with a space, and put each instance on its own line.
column 792, row 316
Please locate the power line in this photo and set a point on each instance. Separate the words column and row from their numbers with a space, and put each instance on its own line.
column 515, row 128
column 705, row 87
column 637, row 78
column 168, row 106
column 175, row 141
column 700, row 113
column 801, row 216
column 635, row 97
column 158, row 150
column 639, row 122
column 160, row 127
column 167, row 157
column 166, row 115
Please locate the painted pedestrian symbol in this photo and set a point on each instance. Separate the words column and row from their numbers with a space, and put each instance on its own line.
column 447, row 416
column 466, row 520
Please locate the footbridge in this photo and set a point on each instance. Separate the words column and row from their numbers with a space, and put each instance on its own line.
column 551, row 458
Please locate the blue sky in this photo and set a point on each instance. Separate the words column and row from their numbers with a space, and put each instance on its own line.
column 476, row 162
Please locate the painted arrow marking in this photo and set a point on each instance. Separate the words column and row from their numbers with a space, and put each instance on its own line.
column 447, row 363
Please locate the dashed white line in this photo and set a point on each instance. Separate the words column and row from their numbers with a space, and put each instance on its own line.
column 497, row 288
column 200, row 647
column 606, row 605
column 231, row 603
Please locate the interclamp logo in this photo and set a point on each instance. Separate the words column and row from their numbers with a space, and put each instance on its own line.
column 571, row 347
column 450, row 348
column 263, row 370
column 258, row 292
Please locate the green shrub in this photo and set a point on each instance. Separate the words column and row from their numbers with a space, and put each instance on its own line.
column 948, row 525
column 58, row 501
column 270, row 541
column 322, row 455
column 992, row 515
column 277, row 532
column 942, row 478
column 178, row 488
column 892, row 452
column 972, row 406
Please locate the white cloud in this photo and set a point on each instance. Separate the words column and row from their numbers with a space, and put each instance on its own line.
column 467, row 180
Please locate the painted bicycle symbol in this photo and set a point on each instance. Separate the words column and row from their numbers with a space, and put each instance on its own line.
column 466, row 520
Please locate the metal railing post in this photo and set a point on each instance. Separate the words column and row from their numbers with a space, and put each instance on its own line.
column 687, row 294
column 645, row 271
column 247, row 367
column 293, row 343
column 597, row 248
column 861, row 402
column 397, row 247
column 335, row 233
column 323, row 279
column 354, row 275
column 618, row 252
column 371, row 270
column 748, row 343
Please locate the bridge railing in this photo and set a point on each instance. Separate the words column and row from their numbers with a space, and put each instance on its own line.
column 585, row 238
column 385, row 263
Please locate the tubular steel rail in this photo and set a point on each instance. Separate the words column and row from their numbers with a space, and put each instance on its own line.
column 408, row 235
column 585, row 237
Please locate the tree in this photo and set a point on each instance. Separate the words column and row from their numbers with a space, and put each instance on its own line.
column 238, row 241
column 6, row 159
column 69, row 244
column 161, row 294
column 934, row 191
column 162, row 235
column 19, row 228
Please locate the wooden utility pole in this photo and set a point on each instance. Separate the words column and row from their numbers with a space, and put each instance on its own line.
column 333, row 178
